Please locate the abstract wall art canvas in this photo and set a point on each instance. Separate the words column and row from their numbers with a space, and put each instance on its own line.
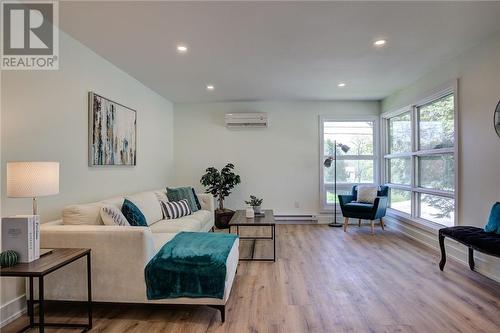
column 112, row 132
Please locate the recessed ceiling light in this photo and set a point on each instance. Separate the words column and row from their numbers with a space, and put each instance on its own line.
column 341, row 85
column 210, row 87
column 181, row 48
column 380, row 42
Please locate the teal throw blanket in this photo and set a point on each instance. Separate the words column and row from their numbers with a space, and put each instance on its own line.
column 192, row 264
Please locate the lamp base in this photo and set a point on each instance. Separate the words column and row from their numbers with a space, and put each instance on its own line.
column 334, row 225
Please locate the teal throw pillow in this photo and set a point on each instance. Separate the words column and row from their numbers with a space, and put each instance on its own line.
column 494, row 220
column 183, row 193
column 133, row 214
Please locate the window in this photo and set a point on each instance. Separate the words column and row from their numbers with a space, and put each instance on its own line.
column 354, row 166
column 420, row 162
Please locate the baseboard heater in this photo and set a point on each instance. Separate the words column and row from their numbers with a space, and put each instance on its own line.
column 306, row 217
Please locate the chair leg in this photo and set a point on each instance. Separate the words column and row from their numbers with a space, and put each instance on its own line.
column 373, row 226
column 382, row 223
column 359, row 223
column 346, row 222
column 471, row 259
column 443, row 252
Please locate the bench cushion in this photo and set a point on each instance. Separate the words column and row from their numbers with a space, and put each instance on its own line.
column 476, row 237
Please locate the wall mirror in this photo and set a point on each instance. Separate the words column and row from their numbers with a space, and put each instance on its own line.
column 496, row 119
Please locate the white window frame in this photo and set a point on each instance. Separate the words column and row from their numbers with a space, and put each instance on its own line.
column 324, row 206
column 415, row 190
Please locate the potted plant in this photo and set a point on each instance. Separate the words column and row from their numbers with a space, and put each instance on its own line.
column 255, row 203
column 219, row 184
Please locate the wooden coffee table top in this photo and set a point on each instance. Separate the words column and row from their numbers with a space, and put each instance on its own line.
column 239, row 218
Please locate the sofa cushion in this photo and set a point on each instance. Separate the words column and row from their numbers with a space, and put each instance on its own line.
column 83, row 214
column 161, row 195
column 185, row 223
column 161, row 238
column 148, row 204
column 115, row 201
column 204, row 217
column 133, row 214
column 181, row 193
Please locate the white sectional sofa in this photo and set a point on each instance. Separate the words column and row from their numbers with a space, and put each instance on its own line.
column 120, row 253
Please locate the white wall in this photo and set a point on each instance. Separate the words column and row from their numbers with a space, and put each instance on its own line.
column 45, row 117
column 478, row 73
column 279, row 164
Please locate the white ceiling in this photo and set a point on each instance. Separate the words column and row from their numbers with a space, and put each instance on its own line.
column 278, row 50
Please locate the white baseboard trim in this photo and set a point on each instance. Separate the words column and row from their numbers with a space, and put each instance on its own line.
column 12, row 310
column 486, row 265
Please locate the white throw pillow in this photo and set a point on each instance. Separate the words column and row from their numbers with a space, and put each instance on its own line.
column 367, row 193
column 161, row 195
column 111, row 215
column 149, row 205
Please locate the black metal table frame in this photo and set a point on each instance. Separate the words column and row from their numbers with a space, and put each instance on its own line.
column 255, row 238
column 41, row 324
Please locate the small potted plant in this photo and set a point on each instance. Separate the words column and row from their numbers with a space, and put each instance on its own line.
column 255, row 203
column 219, row 184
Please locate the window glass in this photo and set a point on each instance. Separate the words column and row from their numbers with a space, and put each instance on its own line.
column 429, row 187
column 400, row 200
column 437, row 124
column 351, row 172
column 437, row 172
column 400, row 170
column 357, row 135
column 355, row 155
column 437, row 209
column 330, row 196
column 400, row 133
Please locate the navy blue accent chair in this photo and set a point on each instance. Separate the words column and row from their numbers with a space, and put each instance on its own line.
column 364, row 211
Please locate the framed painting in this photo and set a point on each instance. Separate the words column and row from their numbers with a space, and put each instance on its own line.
column 112, row 132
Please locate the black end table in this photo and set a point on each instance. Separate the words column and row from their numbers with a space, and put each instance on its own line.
column 38, row 269
column 266, row 220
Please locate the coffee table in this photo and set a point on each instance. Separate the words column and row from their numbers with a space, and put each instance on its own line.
column 239, row 219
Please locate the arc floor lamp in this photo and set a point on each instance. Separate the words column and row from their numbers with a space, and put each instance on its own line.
column 328, row 163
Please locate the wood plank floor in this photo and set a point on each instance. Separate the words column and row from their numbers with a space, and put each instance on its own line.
column 325, row 280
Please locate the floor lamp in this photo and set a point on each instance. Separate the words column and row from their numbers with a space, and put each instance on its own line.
column 328, row 163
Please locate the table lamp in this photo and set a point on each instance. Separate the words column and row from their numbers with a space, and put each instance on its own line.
column 32, row 180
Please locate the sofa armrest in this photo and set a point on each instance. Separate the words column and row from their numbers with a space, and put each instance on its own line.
column 206, row 201
column 118, row 253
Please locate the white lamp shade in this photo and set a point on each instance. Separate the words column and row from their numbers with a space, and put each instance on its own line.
column 32, row 179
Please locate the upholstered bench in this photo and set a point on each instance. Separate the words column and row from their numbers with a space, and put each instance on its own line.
column 472, row 237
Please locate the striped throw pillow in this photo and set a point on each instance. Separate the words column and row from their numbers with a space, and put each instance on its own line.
column 175, row 209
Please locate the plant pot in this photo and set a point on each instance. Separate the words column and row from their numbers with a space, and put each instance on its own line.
column 222, row 218
column 256, row 209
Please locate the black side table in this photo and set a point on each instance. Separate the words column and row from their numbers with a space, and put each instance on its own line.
column 38, row 269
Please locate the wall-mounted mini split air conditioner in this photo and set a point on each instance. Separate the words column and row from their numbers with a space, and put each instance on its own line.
column 246, row 120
